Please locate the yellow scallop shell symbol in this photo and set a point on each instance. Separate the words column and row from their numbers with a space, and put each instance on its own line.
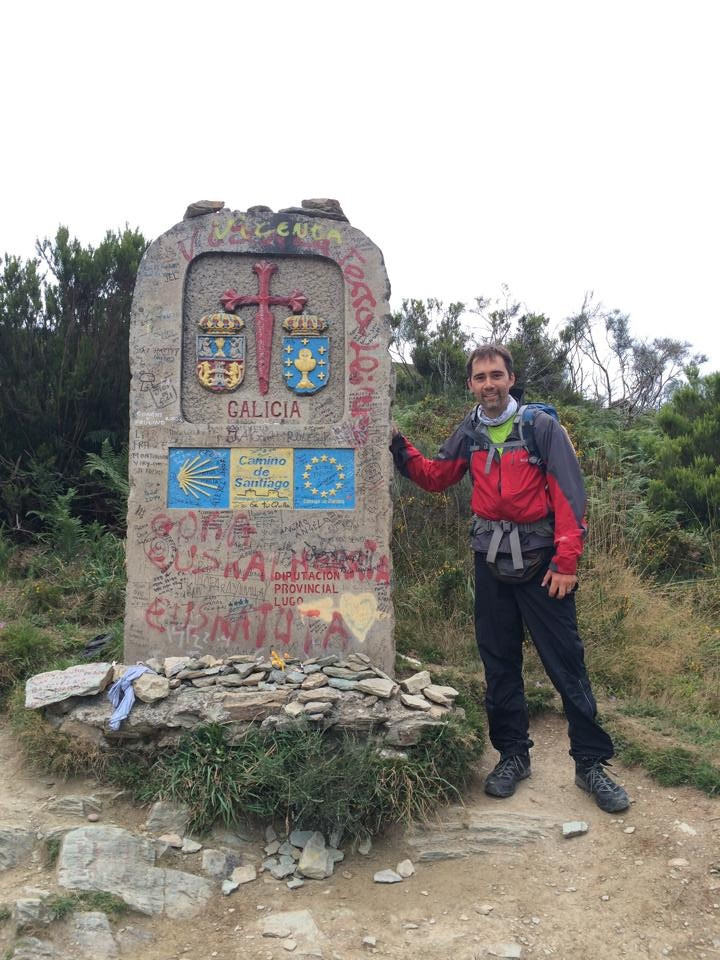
column 195, row 474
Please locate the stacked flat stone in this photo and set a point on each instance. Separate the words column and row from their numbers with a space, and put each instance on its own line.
column 330, row 692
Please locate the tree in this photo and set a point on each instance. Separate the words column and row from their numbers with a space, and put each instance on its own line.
column 607, row 364
column 64, row 368
column 432, row 336
column 540, row 360
column 687, row 457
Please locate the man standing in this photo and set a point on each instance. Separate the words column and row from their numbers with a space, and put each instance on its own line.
column 528, row 500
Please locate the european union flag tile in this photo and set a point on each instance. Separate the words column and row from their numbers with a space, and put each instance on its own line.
column 199, row 477
column 324, row 479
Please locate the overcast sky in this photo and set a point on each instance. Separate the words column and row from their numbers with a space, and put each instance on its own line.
column 558, row 147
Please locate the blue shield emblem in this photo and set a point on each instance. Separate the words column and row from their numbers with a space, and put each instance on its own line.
column 306, row 363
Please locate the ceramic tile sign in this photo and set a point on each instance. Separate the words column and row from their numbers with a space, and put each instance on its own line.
column 259, row 514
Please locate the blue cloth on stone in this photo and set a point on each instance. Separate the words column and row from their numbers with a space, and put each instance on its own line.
column 122, row 696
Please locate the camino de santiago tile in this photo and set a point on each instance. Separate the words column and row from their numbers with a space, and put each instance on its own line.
column 260, row 425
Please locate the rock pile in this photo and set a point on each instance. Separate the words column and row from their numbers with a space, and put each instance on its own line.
column 343, row 694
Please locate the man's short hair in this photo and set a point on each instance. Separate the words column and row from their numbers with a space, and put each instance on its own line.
column 488, row 351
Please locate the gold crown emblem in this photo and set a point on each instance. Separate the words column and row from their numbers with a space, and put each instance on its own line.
column 221, row 323
column 304, row 323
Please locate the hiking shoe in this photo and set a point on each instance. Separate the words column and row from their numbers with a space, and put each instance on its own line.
column 503, row 779
column 592, row 777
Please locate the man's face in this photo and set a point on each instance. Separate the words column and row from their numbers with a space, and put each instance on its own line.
column 490, row 384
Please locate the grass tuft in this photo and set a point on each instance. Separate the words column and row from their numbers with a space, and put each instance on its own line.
column 672, row 766
column 64, row 905
column 309, row 780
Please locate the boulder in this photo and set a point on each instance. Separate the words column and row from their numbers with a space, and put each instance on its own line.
column 116, row 861
column 168, row 817
column 83, row 680
column 16, row 845
column 75, row 806
column 31, row 912
column 92, row 934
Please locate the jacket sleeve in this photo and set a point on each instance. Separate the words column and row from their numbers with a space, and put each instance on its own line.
column 433, row 475
column 566, row 490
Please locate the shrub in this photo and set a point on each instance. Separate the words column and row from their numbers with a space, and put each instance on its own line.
column 25, row 650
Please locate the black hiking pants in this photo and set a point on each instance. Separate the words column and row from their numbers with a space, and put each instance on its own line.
column 500, row 611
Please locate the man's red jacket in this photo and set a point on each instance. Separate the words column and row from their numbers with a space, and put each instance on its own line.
column 516, row 488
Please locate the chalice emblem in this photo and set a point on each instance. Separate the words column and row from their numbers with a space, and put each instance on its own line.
column 304, row 353
column 305, row 363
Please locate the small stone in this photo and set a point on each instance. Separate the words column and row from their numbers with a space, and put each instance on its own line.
column 316, row 680
column 228, row 887
column 200, row 207
column 629, row 830
column 190, row 846
column 243, row 874
column 277, row 932
column 219, row 863
column 285, row 868
column 574, row 828
column 93, row 817
column 172, row 840
column 405, row 868
column 295, row 883
column 295, row 676
column 173, row 665
column 387, row 876
column 678, row 862
column 294, row 709
column 253, row 679
column 435, row 693
column 485, row 909
column 289, row 944
column 511, row 951
column 605, row 897
column 417, row 682
column 685, row 828
column 414, row 703
column 272, row 848
column 365, row 846
column 315, row 707
column 270, row 834
column 151, row 687
column 298, row 838
column 337, row 683
column 377, row 687
column 369, row 942
column 314, row 861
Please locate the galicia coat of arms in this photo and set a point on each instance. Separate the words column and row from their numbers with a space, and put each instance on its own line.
column 220, row 352
column 306, row 354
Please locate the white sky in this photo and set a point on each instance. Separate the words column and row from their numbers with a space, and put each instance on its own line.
column 558, row 147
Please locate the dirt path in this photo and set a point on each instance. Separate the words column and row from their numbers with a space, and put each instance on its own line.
column 608, row 894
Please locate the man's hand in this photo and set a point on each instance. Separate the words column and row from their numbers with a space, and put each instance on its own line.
column 559, row 584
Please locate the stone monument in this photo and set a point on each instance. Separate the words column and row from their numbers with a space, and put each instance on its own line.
column 259, row 513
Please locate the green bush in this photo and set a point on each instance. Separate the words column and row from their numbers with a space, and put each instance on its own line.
column 25, row 650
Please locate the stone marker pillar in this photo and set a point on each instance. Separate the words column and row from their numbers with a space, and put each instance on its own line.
column 259, row 514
